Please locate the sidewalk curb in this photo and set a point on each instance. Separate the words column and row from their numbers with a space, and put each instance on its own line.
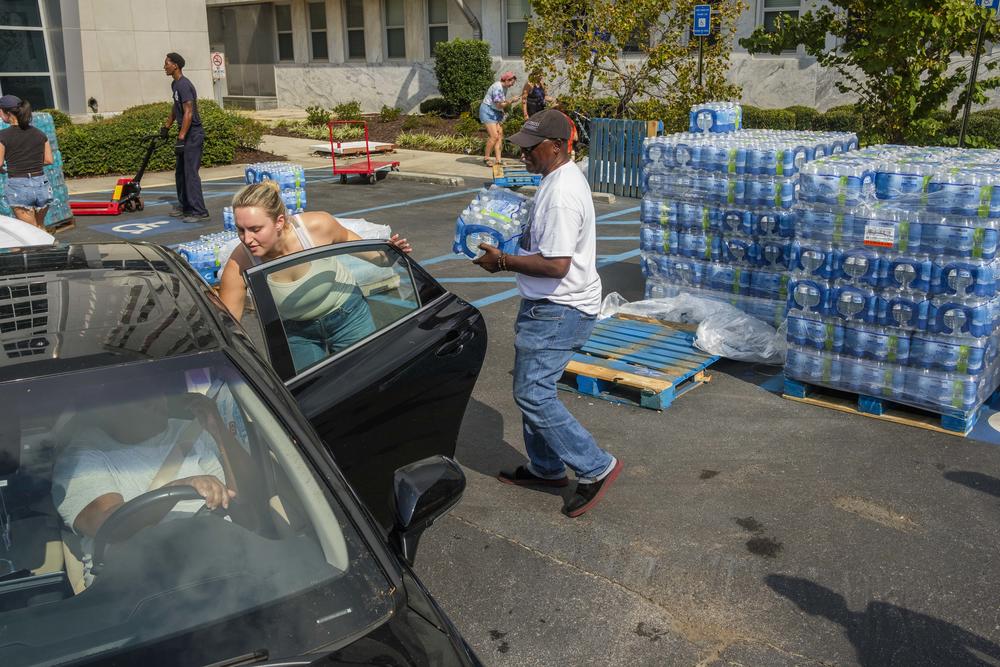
column 602, row 197
column 437, row 179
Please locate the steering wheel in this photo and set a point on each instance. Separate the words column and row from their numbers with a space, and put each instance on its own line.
column 141, row 511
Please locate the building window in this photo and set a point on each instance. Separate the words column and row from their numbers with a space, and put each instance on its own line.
column 354, row 12
column 437, row 22
column 635, row 43
column 317, row 30
column 283, row 27
column 772, row 9
column 24, row 59
column 395, row 33
column 517, row 15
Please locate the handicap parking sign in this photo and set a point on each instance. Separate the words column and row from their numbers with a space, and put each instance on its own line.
column 703, row 20
column 989, row 4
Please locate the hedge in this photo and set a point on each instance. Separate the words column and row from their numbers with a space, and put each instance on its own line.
column 804, row 116
column 438, row 106
column 841, row 120
column 116, row 146
column 982, row 124
column 464, row 71
column 769, row 119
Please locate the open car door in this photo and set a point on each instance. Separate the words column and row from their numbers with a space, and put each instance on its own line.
column 381, row 359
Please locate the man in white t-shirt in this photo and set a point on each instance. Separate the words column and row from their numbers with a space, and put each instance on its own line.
column 556, row 267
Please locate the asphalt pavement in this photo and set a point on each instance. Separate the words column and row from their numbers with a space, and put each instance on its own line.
column 745, row 529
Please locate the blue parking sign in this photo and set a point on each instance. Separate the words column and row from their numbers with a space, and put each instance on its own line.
column 989, row 4
column 703, row 20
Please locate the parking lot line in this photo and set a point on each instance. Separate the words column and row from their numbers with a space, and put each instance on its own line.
column 408, row 202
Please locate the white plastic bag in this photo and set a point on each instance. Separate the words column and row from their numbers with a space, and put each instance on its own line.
column 365, row 229
column 723, row 329
column 735, row 335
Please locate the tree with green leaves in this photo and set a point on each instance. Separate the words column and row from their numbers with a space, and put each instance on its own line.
column 902, row 58
column 639, row 52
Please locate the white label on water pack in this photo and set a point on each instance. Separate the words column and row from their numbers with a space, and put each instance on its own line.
column 880, row 234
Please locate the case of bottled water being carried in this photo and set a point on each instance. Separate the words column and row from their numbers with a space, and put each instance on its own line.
column 717, row 214
column 291, row 178
column 894, row 284
column 496, row 216
column 715, row 117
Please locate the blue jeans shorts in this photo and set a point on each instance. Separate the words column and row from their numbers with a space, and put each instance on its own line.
column 488, row 114
column 315, row 340
column 30, row 192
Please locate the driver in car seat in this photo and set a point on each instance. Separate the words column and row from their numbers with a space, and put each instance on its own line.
column 127, row 446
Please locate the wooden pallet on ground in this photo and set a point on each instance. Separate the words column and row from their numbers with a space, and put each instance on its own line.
column 641, row 363
column 355, row 148
column 885, row 409
column 61, row 226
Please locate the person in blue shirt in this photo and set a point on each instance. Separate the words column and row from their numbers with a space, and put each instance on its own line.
column 190, row 142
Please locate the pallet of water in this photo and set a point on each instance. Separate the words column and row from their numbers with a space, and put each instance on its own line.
column 717, row 216
column 895, row 282
column 496, row 216
column 208, row 253
column 715, row 117
column 291, row 178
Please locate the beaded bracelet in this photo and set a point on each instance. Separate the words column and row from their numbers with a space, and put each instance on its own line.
column 502, row 262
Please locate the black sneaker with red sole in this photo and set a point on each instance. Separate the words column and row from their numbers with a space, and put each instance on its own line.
column 587, row 495
column 524, row 477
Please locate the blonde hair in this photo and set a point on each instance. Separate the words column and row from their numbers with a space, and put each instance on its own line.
column 265, row 195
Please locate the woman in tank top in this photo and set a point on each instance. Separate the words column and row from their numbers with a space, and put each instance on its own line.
column 321, row 307
column 26, row 150
column 533, row 96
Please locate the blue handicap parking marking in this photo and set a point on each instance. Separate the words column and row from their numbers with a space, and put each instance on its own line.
column 140, row 229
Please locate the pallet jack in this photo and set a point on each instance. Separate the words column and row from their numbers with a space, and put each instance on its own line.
column 126, row 196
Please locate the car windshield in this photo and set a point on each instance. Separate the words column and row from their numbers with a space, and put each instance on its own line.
column 108, row 546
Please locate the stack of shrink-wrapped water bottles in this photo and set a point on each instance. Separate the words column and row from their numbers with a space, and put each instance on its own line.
column 894, row 277
column 59, row 210
column 495, row 216
column 715, row 117
column 717, row 218
column 291, row 178
column 209, row 252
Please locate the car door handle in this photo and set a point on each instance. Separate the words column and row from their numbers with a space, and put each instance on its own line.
column 455, row 343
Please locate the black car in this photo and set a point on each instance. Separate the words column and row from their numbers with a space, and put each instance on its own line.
column 127, row 390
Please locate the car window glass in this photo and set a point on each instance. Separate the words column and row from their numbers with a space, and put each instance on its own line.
column 339, row 299
column 92, row 563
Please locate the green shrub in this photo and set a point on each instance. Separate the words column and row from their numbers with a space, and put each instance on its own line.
column 389, row 114
column 804, row 116
column 849, row 108
column 449, row 144
column 467, row 126
column 61, row 119
column 317, row 115
column 464, row 71
column 982, row 124
column 841, row 120
column 116, row 145
column 437, row 105
column 768, row 119
column 348, row 110
column 514, row 121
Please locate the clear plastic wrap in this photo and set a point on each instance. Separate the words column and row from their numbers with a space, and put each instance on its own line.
column 495, row 216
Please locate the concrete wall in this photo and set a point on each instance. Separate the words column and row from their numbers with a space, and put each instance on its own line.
column 123, row 44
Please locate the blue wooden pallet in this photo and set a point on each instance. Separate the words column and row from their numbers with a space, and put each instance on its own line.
column 639, row 363
column 887, row 410
column 513, row 178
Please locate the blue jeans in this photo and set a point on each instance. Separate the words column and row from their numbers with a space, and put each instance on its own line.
column 545, row 337
column 30, row 192
column 314, row 340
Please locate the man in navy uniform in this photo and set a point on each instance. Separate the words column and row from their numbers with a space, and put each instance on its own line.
column 190, row 142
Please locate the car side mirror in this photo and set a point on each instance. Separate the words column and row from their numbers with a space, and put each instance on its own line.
column 423, row 491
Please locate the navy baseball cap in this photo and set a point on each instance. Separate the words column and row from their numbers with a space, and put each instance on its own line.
column 9, row 102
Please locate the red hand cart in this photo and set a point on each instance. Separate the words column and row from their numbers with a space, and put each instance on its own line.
column 368, row 168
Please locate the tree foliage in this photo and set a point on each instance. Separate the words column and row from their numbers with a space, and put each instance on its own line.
column 897, row 56
column 579, row 43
